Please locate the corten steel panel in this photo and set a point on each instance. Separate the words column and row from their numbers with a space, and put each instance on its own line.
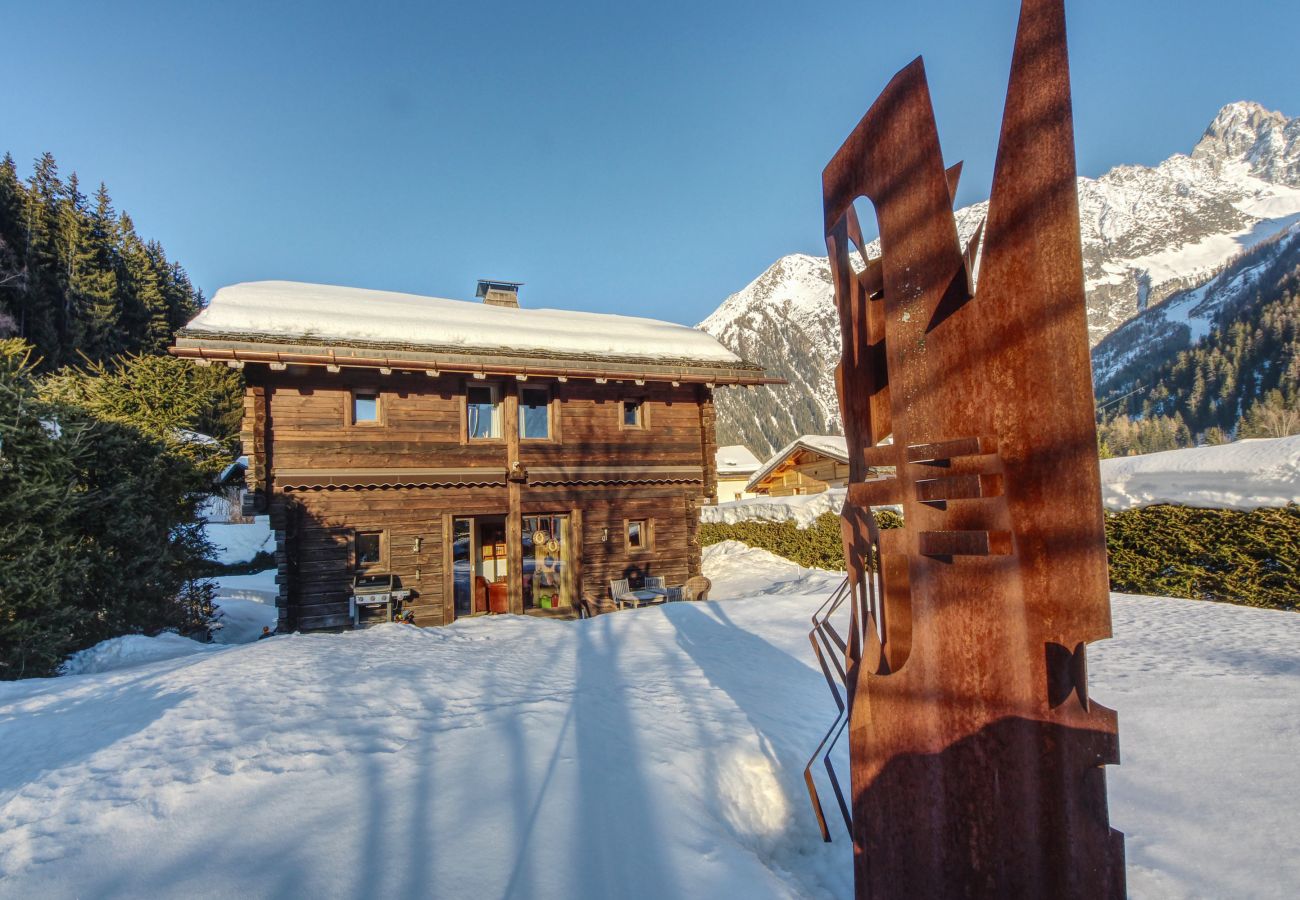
column 976, row 752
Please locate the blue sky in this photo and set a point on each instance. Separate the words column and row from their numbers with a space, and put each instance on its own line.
column 639, row 158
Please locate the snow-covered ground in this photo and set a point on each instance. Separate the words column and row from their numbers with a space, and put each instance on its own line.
column 1242, row 475
column 649, row 753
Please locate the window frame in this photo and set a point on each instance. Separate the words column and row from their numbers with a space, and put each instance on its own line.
column 364, row 390
column 647, row 535
column 498, row 412
column 643, row 417
column 550, row 412
column 381, row 564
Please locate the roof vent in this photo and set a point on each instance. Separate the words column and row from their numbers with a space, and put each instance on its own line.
column 499, row 293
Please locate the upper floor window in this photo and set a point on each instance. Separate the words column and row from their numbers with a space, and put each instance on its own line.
column 365, row 407
column 535, row 413
column 483, row 412
column 633, row 414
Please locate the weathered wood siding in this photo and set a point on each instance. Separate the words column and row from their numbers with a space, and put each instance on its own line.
column 302, row 421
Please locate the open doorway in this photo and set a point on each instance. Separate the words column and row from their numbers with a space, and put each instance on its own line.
column 479, row 562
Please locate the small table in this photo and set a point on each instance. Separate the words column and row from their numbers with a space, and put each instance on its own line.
column 644, row 595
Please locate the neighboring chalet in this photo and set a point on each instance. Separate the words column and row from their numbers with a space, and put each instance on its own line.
column 484, row 457
column 735, row 465
column 809, row 464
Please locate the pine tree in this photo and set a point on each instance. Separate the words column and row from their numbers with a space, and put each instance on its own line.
column 97, row 283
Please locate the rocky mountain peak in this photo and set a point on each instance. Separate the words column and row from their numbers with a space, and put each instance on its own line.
column 1265, row 140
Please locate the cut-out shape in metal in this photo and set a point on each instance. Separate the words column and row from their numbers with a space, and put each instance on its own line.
column 976, row 753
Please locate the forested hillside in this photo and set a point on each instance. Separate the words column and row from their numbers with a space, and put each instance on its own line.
column 1242, row 378
column 75, row 278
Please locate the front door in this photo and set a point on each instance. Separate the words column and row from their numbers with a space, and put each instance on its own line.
column 480, row 575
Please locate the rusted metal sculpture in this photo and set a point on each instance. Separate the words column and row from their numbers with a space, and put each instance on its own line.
column 976, row 752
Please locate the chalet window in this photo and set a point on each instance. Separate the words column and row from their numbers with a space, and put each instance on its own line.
column 633, row 414
column 365, row 407
column 483, row 412
column 535, row 413
column 639, row 534
column 368, row 548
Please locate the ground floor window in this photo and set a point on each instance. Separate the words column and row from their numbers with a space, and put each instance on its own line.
column 547, row 576
column 638, row 534
column 368, row 549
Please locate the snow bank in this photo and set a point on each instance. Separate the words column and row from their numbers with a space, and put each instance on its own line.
column 738, row 571
column 1243, row 475
column 324, row 312
column 803, row 510
column 131, row 650
column 642, row 754
column 238, row 543
column 246, row 604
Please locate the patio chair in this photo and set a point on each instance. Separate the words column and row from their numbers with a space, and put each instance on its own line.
column 655, row 583
column 696, row 588
column 618, row 589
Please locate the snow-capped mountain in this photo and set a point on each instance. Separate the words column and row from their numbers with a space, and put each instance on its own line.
column 1148, row 233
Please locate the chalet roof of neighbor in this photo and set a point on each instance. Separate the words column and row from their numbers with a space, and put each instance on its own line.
column 833, row 445
column 323, row 317
column 736, row 460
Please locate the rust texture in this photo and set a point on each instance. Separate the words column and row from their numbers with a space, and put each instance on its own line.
column 976, row 753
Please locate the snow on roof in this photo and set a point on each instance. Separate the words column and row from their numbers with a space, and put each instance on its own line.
column 325, row 313
column 1243, row 475
column 832, row 445
column 736, row 459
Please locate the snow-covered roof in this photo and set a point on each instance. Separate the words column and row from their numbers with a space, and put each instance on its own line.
column 1242, row 475
column 272, row 310
column 832, row 445
column 736, row 460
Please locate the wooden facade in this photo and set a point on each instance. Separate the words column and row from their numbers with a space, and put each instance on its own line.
column 801, row 469
column 404, row 488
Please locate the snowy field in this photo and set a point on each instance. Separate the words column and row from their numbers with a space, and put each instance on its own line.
column 652, row 753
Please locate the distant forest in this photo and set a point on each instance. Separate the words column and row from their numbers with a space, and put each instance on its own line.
column 75, row 279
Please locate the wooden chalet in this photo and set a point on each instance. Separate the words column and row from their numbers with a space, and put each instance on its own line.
column 482, row 457
column 809, row 464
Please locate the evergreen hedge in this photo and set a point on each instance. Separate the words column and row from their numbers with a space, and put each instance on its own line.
column 100, row 483
column 1250, row 558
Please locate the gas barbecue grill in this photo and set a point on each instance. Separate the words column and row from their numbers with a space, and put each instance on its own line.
column 370, row 591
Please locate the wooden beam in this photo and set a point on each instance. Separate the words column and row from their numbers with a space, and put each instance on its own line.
column 514, row 512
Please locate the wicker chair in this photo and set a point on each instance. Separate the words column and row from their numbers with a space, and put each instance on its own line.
column 696, row 588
